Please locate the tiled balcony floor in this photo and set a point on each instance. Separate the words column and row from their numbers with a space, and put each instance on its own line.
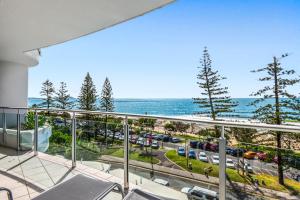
column 28, row 175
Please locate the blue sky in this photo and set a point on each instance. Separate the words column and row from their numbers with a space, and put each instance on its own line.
column 156, row 55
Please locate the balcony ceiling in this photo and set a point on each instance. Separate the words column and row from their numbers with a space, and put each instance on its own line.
column 32, row 24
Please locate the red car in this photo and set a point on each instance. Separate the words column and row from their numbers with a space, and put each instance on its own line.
column 261, row 156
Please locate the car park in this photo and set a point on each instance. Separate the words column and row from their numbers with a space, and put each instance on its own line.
column 192, row 154
column 181, row 151
column 215, row 160
column 199, row 193
column 249, row 155
column 203, row 157
column 230, row 163
column 155, row 144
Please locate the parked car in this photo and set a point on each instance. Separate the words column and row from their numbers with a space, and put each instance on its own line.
column 192, row 154
column 262, row 156
column 175, row 140
column 206, row 146
column 133, row 139
column 166, row 138
column 117, row 134
column 249, row 155
column 203, row 157
column 121, row 137
column 247, row 167
column 214, row 147
column 193, row 144
column 215, row 160
column 198, row 193
column 228, row 150
column 237, row 152
column 159, row 137
column 155, row 144
column 230, row 163
column 161, row 181
column 147, row 135
column 181, row 151
column 140, row 141
column 147, row 143
column 200, row 145
column 154, row 136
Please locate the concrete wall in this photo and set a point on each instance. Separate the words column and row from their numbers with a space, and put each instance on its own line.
column 13, row 84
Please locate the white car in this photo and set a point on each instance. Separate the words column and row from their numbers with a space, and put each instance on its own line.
column 161, row 181
column 185, row 190
column 215, row 160
column 199, row 193
column 140, row 141
column 230, row 163
column 121, row 137
column 203, row 157
column 247, row 167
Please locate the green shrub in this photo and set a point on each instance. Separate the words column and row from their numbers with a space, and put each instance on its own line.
column 59, row 137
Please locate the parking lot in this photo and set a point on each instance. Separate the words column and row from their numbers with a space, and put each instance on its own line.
column 257, row 165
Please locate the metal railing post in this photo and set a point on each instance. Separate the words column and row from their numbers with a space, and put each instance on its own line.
column 222, row 165
column 73, row 140
column 18, row 129
column 36, row 130
column 126, row 155
column 4, row 127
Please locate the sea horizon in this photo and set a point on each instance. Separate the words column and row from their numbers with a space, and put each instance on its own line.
column 166, row 106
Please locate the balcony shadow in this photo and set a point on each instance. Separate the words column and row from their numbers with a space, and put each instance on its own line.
column 29, row 184
column 237, row 189
column 20, row 163
column 64, row 176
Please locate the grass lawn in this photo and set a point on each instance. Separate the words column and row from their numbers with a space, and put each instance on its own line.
column 135, row 156
column 270, row 181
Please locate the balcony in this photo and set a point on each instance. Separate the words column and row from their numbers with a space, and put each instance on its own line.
column 42, row 148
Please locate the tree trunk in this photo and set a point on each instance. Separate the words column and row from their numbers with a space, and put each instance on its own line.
column 105, row 128
column 278, row 122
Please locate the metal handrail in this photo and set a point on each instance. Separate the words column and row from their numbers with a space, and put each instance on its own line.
column 271, row 127
column 125, row 116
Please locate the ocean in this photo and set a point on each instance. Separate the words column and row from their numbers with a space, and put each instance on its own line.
column 169, row 107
